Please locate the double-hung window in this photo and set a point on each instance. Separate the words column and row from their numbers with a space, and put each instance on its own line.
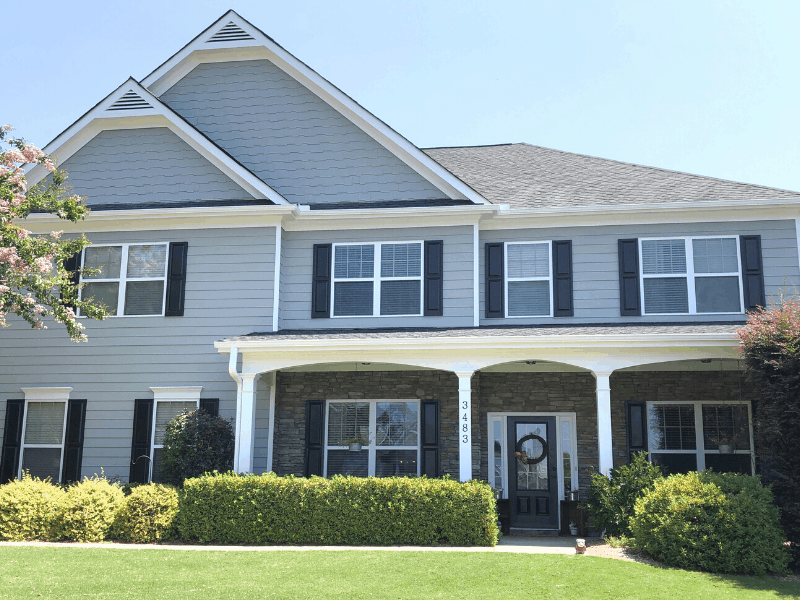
column 163, row 412
column 693, row 275
column 529, row 276
column 378, row 279
column 43, row 431
column 130, row 279
column 388, row 430
column 692, row 436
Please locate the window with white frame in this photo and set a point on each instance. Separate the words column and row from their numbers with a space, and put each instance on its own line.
column 130, row 278
column 529, row 275
column 163, row 412
column 693, row 436
column 693, row 275
column 378, row 279
column 386, row 430
column 44, row 428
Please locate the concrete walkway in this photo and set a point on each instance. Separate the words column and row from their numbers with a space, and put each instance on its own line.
column 516, row 543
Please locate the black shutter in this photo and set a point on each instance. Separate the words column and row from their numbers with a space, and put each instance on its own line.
column 562, row 279
column 629, row 305
column 429, row 440
column 752, row 272
column 72, row 265
column 73, row 444
column 176, row 279
column 142, row 434
column 210, row 405
column 12, row 440
column 495, row 308
column 434, row 279
column 636, row 419
column 321, row 282
column 315, row 437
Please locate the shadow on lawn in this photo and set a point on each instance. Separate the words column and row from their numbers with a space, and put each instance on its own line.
column 782, row 587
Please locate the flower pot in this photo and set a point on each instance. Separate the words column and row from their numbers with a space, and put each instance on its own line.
column 573, row 529
column 354, row 446
column 725, row 448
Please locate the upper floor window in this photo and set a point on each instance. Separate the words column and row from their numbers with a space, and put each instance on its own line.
column 691, row 275
column 529, row 279
column 131, row 278
column 380, row 279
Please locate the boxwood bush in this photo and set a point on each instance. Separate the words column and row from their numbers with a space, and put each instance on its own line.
column 147, row 514
column 88, row 510
column 195, row 443
column 718, row 522
column 252, row 509
column 28, row 509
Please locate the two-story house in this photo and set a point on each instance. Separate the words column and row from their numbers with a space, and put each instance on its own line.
column 273, row 252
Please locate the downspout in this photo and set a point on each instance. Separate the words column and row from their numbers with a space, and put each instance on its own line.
column 233, row 359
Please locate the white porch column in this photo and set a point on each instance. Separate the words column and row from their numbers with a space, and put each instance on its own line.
column 465, row 425
column 604, row 445
column 245, row 425
column 271, row 432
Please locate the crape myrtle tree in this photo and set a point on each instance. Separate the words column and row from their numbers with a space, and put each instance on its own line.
column 771, row 349
column 34, row 281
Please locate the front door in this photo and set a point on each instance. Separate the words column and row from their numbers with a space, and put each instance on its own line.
column 533, row 472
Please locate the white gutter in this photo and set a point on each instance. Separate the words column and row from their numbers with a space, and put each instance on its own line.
column 234, row 357
column 276, row 274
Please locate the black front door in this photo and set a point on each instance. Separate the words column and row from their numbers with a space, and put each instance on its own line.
column 533, row 472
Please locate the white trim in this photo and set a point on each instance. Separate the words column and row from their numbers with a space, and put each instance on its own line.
column 123, row 279
column 197, row 52
column 377, row 278
column 508, row 279
column 700, row 450
column 183, row 393
column 47, row 394
column 372, row 447
column 160, row 115
column 690, row 275
column 476, row 290
column 276, row 288
column 797, row 228
column 271, row 427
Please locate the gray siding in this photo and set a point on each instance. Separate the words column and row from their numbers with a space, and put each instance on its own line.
column 128, row 166
column 297, row 261
column 596, row 265
column 290, row 138
column 228, row 292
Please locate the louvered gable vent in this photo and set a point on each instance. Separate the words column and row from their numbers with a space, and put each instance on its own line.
column 130, row 101
column 230, row 33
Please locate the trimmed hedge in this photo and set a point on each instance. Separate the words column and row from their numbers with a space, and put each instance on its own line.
column 29, row 508
column 718, row 522
column 147, row 514
column 88, row 510
column 253, row 509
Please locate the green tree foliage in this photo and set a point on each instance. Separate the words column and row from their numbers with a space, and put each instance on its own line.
column 718, row 522
column 195, row 443
column 771, row 349
column 34, row 283
column 613, row 499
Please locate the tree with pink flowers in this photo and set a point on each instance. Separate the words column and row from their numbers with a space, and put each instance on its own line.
column 35, row 284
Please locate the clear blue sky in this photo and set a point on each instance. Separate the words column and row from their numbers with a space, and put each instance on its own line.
column 708, row 87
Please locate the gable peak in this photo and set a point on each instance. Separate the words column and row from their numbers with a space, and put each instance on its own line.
column 130, row 100
column 230, row 32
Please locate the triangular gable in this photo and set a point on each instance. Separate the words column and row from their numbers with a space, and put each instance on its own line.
column 131, row 106
column 232, row 38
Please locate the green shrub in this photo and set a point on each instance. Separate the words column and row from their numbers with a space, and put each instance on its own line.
column 147, row 514
column 88, row 510
column 28, row 508
column 718, row 522
column 612, row 500
column 254, row 509
column 195, row 443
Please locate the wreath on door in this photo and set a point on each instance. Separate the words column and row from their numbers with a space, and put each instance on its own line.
column 522, row 455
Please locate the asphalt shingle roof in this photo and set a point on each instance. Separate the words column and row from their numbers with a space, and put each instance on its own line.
column 511, row 331
column 527, row 176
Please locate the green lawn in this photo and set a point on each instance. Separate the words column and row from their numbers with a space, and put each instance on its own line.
column 31, row 572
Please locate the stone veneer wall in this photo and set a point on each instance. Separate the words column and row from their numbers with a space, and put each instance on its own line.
column 705, row 386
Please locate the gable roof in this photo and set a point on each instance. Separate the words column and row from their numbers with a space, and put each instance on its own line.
column 132, row 106
column 233, row 38
column 526, row 176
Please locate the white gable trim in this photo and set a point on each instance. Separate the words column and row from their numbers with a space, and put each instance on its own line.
column 131, row 106
column 201, row 50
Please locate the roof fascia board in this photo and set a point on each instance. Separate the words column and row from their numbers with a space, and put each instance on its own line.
column 170, row 72
column 160, row 115
column 383, row 218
